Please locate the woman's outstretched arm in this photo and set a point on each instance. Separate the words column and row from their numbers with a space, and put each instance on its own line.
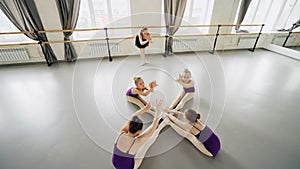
column 150, row 130
column 125, row 128
column 191, row 138
column 139, row 157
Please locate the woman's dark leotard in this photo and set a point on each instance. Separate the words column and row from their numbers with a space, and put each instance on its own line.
column 123, row 160
column 209, row 139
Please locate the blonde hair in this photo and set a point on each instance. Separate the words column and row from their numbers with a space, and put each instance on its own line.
column 136, row 80
column 187, row 71
column 143, row 29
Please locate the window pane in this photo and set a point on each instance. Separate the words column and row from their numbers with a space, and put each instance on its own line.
column 7, row 26
column 103, row 13
column 275, row 14
column 289, row 14
column 197, row 12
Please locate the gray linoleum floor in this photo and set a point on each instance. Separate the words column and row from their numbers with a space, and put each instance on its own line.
column 66, row 116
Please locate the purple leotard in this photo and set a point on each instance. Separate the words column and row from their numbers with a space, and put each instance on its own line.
column 210, row 140
column 123, row 160
column 189, row 90
column 129, row 93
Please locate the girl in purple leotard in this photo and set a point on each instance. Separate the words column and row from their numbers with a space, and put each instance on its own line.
column 131, row 140
column 187, row 93
column 196, row 131
column 134, row 94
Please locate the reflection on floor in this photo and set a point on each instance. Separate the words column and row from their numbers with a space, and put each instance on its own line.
column 59, row 117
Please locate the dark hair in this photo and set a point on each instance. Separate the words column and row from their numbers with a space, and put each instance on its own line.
column 192, row 115
column 135, row 124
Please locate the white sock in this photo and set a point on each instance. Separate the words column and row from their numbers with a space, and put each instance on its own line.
column 142, row 53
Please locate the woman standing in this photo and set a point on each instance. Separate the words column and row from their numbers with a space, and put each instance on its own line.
column 142, row 41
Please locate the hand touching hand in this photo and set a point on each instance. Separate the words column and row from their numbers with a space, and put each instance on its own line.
column 153, row 84
column 168, row 111
column 180, row 77
column 147, row 107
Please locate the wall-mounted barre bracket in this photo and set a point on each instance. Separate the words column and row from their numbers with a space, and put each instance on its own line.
column 254, row 46
column 107, row 43
column 215, row 42
column 290, row 32
column 166, row 45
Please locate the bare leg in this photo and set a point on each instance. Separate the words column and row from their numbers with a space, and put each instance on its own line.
column 135, row 101
column 191, row 138
column 142, row 54
column 139, row 157
column 139, row 102
column 177, row 100
column 186, row 98
column 142, row 100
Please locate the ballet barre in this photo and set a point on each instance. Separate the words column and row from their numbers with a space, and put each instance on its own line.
column 166, row 36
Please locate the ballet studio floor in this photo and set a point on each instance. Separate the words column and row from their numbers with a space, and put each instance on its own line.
column 67, row 116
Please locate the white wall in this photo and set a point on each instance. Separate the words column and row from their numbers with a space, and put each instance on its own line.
column 224, row 12
column 50, row 18
column 145, row 12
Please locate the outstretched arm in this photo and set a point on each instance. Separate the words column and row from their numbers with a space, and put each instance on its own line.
column 150, row 130
column 143, row 93
column 191, row 138
column 125, row 128
column 139, row 156
column 141, row 41
column 186, row 85
column 174, row 112
column 179, row 123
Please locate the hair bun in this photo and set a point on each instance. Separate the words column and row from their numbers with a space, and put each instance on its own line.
column 187, row 71
column 135, row 119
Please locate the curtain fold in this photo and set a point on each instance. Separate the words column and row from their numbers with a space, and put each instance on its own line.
column 68, row 11
column 242, row 12
column 24, row 15
column 174, row 11
column 295, row 25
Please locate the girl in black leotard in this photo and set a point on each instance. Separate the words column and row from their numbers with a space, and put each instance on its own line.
column 142, row 41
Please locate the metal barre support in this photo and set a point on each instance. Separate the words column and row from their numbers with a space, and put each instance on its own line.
column 216, row 38
column 166, row 45
column 254, row 46
column 107, row 43
column 290, row 32
column 166, row 41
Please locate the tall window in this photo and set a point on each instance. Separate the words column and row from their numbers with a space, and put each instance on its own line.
column 289, row 15
column 275, row 14
column 103, row 13
column 197, row 12
column 7, row 26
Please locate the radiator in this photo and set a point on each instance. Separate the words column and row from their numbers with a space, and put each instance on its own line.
column 279, row 40
column 184, row 44
column 100, row 48
column 13, row 54
column 246, row 41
